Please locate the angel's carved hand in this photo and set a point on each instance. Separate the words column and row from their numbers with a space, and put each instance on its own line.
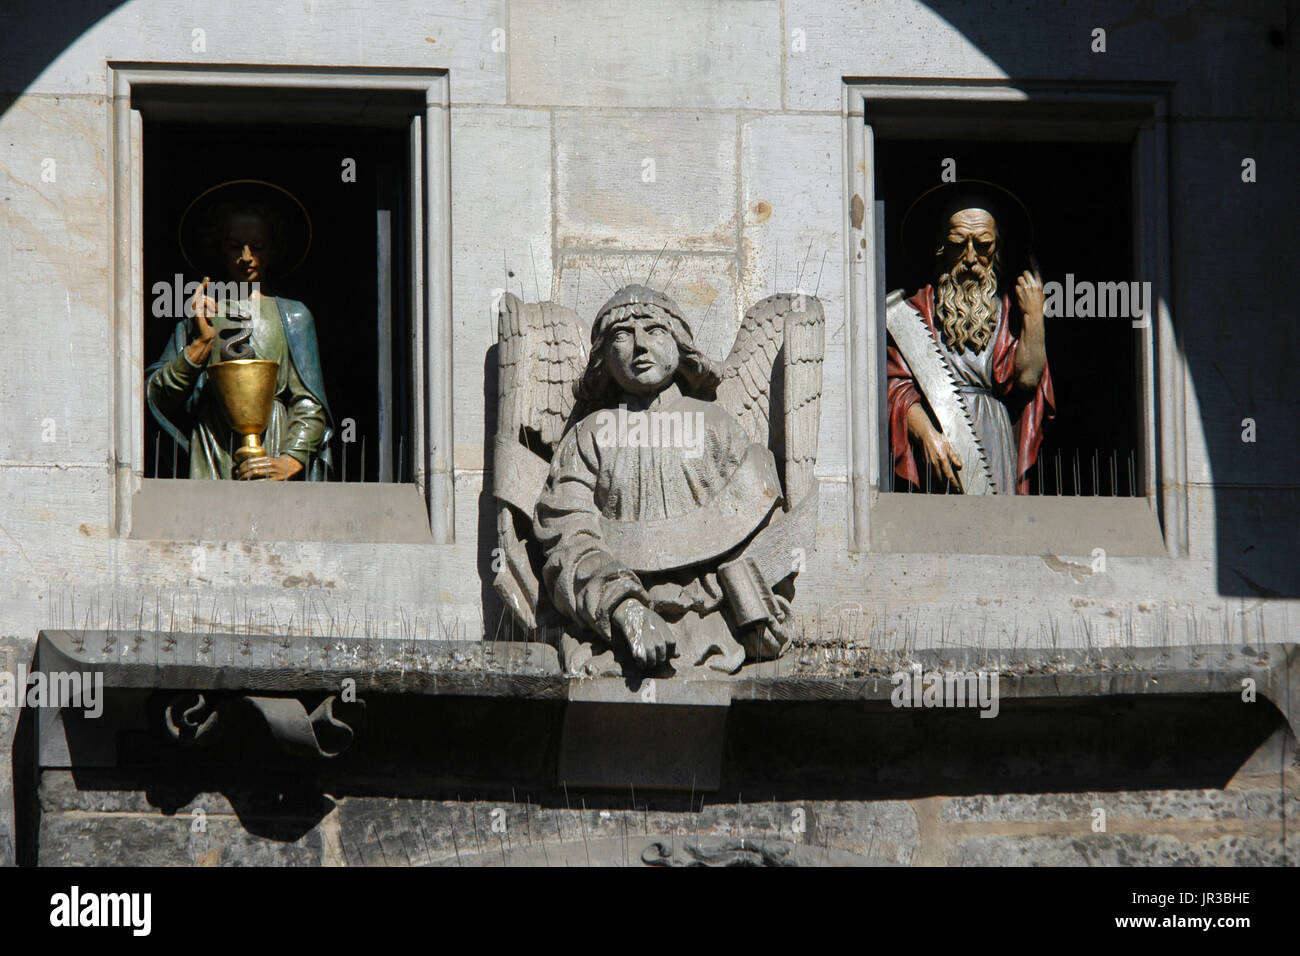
column 648, row 635
column 768, row 640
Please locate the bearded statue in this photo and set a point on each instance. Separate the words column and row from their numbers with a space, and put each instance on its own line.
column 969, row 386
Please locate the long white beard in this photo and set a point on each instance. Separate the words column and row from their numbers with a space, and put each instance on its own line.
column 967, row 311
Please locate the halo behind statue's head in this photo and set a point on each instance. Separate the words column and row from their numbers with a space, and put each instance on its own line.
column 286, row 217
column 927, row 218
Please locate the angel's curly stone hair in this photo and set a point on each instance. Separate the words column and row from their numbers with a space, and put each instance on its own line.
column 697, row 374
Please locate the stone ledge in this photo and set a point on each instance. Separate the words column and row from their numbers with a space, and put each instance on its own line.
column 814, row 672
column 258, row 663
column 167, row 509
column 1006, row 525
column 679, row 727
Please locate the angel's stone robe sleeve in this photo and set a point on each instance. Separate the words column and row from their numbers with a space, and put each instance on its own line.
column 585, row 581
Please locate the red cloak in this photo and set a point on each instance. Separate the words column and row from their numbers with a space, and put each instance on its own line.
column 1027, row 414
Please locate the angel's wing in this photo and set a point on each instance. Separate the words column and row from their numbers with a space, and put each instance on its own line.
column 542, row 352
column 772, row 383
column 541, row 355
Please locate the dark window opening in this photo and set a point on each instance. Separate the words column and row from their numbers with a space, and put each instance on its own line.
column 361, row 234
column 1079, row 197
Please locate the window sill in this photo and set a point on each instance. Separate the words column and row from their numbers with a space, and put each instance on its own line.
column 1020, row 524
column 182, row 510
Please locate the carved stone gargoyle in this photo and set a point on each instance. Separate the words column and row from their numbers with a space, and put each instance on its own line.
column 653, row 505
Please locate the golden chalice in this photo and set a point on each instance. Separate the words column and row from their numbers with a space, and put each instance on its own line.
column 247, row 390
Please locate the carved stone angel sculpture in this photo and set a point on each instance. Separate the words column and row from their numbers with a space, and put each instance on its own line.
column 651, row 505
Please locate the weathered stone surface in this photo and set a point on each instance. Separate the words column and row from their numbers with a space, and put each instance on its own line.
column 1208, row 169
column 163, row 509
column 1046, row 525
column 630, row 54
column 556, row 106
column 607, row 198
column 841, row 777
column 1088, row 849
column 62, row 556
column 507, row 250
column 885, row 830
column 103, row 792
column 1276, row 758
column 1253, row 535
column 792, row 235
column 391, row 833
column 702, row 284
column 55, row 263
column 666, row 468
column 6, row 845
column 261, row 664
column 13, row 650
column 610, row 831
column 125, row 839
column 907, row 39
column 455, row 35
column 1206, row 805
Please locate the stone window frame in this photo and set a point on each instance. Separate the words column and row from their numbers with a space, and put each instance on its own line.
column 430, row 278
column 1042, row 111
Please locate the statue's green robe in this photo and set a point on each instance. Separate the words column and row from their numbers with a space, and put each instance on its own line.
column 180, row 395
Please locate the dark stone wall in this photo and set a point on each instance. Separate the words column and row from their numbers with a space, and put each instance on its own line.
column 461, row 781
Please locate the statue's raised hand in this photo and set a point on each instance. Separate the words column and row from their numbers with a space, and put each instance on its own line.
column 648, row 635
column 1029, row 293
column 1031, row 355
column 205, row 309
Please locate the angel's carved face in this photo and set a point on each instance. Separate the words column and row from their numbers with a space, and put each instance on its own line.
column 641, row 354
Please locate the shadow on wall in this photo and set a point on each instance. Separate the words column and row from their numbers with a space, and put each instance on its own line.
column 35, row 35
column 1254, row 503
column 1220, row 229
column 498, row 623
column 847, row 755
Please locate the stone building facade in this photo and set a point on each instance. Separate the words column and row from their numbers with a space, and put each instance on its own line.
column 557, row 150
